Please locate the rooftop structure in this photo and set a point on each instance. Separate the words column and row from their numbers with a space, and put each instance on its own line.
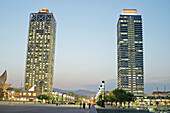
column 129, row 12
column 44, row 10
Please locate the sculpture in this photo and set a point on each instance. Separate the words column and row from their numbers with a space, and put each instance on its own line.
column 3, row 79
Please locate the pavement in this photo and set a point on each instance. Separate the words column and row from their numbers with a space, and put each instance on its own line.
column 92, row 109
column 41, row 108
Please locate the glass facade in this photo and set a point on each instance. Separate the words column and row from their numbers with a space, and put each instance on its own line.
column 40, row 50
column 130, row 52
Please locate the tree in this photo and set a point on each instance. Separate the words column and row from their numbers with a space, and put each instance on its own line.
column 99, row 100
column 80, row 98
column 45, row 97
column 129, row 97
column 112, row 97
column 120, row 95
column 107, row 98
column 1, row 93
column 71, row 94
column 157, row 103
column 86, row 97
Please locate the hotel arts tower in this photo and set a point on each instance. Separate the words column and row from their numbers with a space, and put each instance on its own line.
column 40, row 50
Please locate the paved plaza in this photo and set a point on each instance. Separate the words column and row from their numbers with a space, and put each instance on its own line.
column 41, row 108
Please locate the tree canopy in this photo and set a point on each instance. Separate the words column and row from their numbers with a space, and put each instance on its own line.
column 44, row 96
column 119, row 95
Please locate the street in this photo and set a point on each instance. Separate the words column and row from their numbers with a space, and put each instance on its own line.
column 41, row 108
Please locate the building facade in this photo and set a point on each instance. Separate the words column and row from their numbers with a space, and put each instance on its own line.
column 130, row 52
column 40, row 50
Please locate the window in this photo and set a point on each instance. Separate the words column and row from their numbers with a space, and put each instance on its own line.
column 24, row 94
column 123, row 33
column 34, row 94
column 29, row 94
column 123, row 24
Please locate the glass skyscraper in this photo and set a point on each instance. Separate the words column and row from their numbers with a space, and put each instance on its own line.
column 40, row 50
column 130, row 52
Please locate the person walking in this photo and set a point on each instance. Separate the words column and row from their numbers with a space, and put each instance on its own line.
column 84, row 105
column 80, row 104
column 89, row 105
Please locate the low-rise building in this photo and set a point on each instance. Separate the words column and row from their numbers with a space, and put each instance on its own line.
column 14, row 94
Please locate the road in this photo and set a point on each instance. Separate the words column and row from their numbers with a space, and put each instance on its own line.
column 41, row 108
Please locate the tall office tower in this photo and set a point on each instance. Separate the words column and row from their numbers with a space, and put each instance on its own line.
column 130, row 52
column 40, row 52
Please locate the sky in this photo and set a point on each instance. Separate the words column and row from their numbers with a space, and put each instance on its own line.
column 86, row 37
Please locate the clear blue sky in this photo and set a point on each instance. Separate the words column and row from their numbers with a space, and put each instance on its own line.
column 86, row 40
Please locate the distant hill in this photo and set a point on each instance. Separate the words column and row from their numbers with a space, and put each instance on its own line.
column 78, row 92
column 85, row 92
column 62, row 91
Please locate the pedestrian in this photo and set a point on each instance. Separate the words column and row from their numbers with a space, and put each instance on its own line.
column 80, row 104
column 84, row 105
column 89, row 105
